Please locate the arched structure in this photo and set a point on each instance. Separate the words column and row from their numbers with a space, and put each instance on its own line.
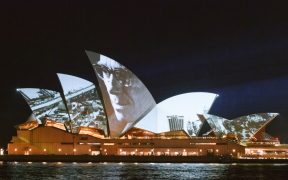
column 45, row 103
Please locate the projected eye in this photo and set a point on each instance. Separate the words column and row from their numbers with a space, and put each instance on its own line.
column 122, row 76
column 101, row 70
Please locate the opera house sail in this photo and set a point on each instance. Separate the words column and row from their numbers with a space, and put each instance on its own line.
column 45, row 103
column 83, row 102
column 181, row 110
column 243, row 127
column 125, row 97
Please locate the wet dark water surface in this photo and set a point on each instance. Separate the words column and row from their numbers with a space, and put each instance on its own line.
column 153, row 171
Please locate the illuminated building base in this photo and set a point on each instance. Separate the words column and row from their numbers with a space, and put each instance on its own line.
column 47, row 140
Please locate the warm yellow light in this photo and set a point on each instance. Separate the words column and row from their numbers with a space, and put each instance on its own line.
column 89, row 150
column 233, row 150
column 200, row 150
column 44, row 150
column 120, row 150
column 30, row 149
column 105, row 150
column 184, row 150
column 217, row 150
column 15, row 149
column 59, row 149
column 74, row 150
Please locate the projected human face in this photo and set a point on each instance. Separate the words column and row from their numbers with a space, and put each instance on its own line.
column 126, row 99
column 121, row 88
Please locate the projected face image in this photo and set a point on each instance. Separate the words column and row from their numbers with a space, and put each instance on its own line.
column 126, row 98
column 121, row 89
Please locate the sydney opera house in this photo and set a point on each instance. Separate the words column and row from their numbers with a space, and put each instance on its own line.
column 117, row 115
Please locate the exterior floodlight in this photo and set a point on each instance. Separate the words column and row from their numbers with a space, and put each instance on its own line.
column 1, row 152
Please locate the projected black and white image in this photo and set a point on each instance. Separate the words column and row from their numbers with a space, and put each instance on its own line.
column 126, row 98
column 244, row 126
column 45, row 104
column 184, row 115
column 84, row 105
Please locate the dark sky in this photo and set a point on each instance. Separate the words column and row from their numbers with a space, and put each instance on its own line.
column 237, row 49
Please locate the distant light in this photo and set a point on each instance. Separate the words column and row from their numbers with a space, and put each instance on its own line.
column 74, row 150
column 30, row 149
column 109, row 144
column 44, row 150
column 15, row 149
column 1, row 151
column 59, row 149
column 233, row 150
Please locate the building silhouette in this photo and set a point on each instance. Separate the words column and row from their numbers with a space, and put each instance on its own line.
column 176, row 122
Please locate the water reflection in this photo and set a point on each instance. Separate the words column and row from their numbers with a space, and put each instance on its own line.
column 141, row 171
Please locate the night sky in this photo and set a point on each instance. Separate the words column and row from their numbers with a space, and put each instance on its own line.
column 237, row 49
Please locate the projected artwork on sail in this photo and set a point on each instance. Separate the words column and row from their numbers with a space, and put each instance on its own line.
column 45, row 104
column 126, row 98
column 84, row 105
column 244, row 126
column 180, row 112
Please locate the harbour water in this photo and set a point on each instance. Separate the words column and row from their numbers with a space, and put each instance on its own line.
column 58, row 170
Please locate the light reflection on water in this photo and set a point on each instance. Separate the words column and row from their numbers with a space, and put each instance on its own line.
column 141, row 171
